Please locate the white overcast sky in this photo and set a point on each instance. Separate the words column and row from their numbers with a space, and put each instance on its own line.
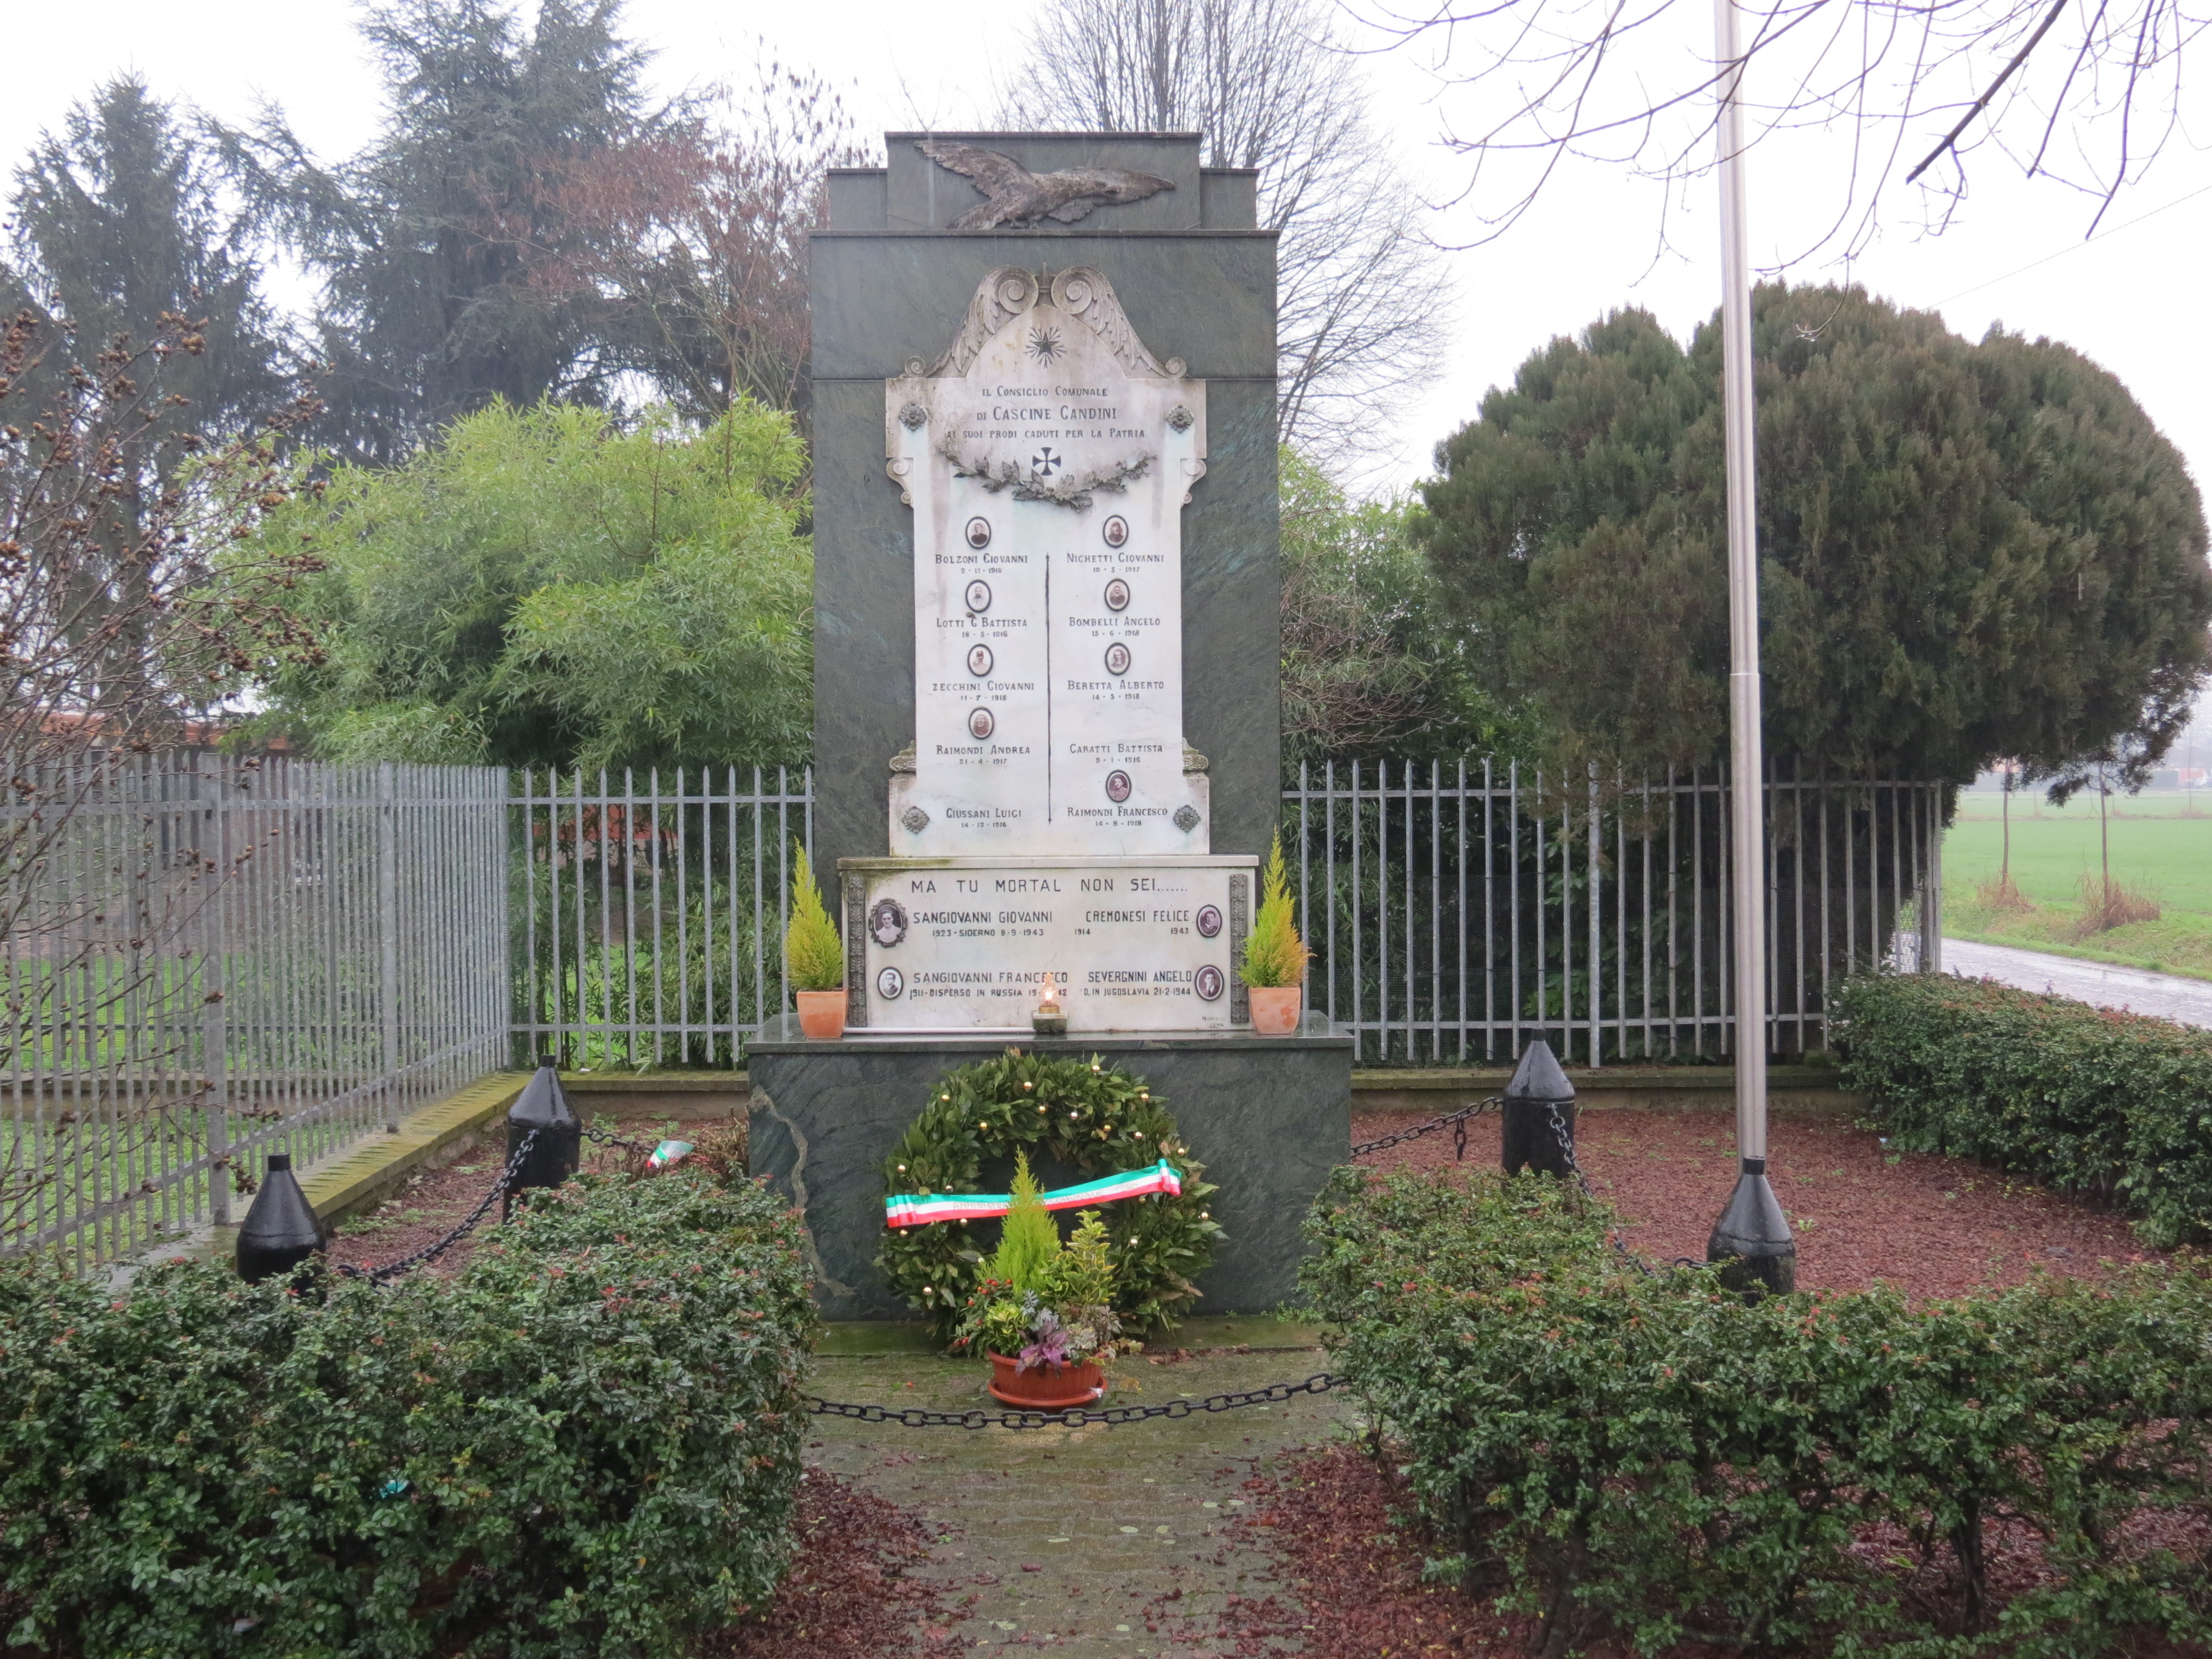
column 2133, row 299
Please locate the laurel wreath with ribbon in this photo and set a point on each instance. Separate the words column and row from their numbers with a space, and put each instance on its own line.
column 1081, row 1112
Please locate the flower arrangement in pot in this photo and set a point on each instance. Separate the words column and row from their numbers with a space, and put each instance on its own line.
column 1043, row 1312
column 814, row 958
column 1274, row 966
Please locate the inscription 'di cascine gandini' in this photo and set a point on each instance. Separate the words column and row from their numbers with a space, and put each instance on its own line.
column 1047, row 456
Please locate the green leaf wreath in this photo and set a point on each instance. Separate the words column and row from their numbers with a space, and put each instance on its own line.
column 1082, row 1112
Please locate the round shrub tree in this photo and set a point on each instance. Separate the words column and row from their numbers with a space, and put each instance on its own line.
column 1968, row 550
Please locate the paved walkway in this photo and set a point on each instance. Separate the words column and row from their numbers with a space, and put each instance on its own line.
column 2169, row 996
column 1110, row 1541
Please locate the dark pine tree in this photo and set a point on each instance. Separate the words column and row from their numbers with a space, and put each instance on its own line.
column 116, row 223
column 429, row 244
column 122, row 251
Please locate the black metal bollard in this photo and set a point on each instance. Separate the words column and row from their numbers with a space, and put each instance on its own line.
column 544, row 1108
column 281, row 1230
column 1538, row 1117
column 1752, row 1240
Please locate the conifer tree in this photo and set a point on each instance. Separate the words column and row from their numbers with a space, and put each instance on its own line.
column 117, row 225
column 123, row 267
column 430, row 242
column 1968, row 550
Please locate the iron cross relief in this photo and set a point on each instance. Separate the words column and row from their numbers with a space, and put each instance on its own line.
column 1044, row 462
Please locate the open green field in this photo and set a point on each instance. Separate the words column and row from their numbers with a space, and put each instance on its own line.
column 2162, row 843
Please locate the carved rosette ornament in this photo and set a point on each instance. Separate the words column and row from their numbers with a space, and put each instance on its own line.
column 1045, row 404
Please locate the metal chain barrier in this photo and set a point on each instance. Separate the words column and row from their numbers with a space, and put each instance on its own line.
column 1076, row 1417
column 1456, row 1121
column 1567, row 1151
column 428, row 1253
column 431, row 1252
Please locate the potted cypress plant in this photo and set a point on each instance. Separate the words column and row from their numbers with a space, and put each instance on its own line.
column 814, row 958
column 1043, row 1313
column 1274, row 966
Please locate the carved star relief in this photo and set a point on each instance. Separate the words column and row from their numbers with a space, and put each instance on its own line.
column 1018, row 197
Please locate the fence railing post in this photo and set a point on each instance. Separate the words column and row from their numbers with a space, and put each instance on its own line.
column 1931, row 896
column 214, row 1021
column 387, row 938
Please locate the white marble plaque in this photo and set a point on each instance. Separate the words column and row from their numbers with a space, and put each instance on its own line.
column 1132, row 944
column 1047, row 456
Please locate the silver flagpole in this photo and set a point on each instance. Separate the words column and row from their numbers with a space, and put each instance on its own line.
column 1752, row 1235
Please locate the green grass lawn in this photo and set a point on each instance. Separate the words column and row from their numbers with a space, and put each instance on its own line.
column 2161, row 847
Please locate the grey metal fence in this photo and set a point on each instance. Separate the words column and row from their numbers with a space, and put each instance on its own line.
column 650, row 915
column 205, row 960
column 1458, row 909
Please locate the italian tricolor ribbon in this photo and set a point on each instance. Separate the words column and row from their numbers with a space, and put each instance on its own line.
column 912, row 1210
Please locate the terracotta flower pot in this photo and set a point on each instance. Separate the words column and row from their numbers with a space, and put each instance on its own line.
column 1048, row 1389
column 821, row 1014
column 1275, row 1009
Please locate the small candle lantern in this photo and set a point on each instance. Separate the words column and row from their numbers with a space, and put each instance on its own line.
column 1050, row 1019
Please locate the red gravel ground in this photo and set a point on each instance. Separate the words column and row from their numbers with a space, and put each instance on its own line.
column 1340, row 1533
column 434, row 1200
column 1932, row 1226
column 850, row 1596
column 1328, row 1517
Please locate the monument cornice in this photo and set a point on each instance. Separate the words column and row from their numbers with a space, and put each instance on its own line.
column 983, row 238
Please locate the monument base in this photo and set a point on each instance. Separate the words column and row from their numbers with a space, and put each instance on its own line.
column 1269, row 1117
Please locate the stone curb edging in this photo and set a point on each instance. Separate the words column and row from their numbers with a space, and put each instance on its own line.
column 1488, row 1080
column 372, row 1165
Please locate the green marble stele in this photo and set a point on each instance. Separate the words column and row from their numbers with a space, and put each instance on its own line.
column 1044, row 355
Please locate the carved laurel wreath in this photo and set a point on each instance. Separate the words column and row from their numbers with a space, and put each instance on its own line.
column 1073, row 491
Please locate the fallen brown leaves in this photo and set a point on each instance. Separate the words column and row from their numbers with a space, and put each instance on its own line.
column 1351, row 1573
column 851, row 1593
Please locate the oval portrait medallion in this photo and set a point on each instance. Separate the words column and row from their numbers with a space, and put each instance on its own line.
column 1209, row 982
column 890, row 983
column 887, row 923
column 979, row 597
column 979, row 660
column 1115, row 529
column 981, row 725
column 1117, row 658
column 1117, row 786
column 979, row 533
column 1209, row 921
column 1118, row 595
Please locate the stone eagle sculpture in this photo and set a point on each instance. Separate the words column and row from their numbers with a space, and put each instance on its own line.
column 1018, row 197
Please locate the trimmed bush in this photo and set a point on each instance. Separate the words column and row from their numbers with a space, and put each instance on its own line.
column 2114, row 1106
column 1644, row 1453
column 812, row 953
column 586, row 1444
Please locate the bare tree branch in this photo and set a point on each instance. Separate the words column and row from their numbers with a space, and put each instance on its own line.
column 1271, row 86
column 1983, row 102
column 1596, row 80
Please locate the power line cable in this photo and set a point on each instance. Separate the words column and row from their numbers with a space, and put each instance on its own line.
column 2073, row 247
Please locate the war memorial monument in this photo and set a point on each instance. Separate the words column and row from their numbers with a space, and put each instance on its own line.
column 1046, row 719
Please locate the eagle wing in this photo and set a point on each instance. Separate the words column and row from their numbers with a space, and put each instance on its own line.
column 1099, row 185
column 990, row 171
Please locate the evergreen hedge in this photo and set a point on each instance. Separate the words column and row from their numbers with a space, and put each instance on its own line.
column 586, row 1444
column 2115, row 1106
column 1643, row 1455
